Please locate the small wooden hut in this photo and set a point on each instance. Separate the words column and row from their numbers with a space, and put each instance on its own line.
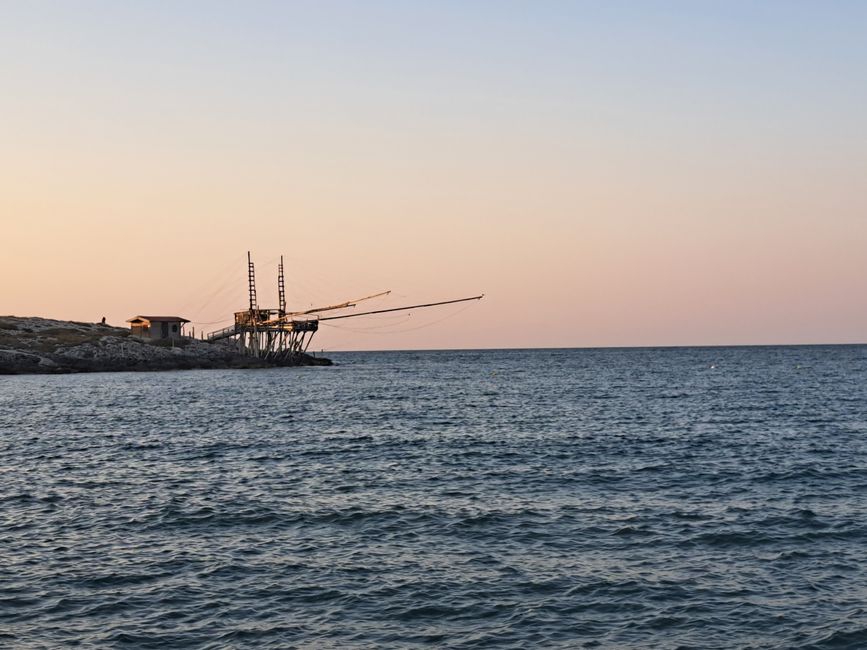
column 157, row 328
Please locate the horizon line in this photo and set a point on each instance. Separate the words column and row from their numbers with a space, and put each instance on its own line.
column 603, row 347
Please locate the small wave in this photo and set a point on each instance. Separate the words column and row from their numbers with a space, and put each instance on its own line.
column 726, row 539
column 113, row 580
column 853, row 639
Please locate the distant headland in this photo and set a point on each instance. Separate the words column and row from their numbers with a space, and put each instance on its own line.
column 31, row 345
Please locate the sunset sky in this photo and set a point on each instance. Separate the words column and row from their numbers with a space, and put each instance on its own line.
column 607, row 173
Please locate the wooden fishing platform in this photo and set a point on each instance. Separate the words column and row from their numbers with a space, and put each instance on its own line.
column 282, row 337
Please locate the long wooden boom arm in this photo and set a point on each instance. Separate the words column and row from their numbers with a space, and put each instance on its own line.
column 348, row 303
column 343, row 305
column 383, row 311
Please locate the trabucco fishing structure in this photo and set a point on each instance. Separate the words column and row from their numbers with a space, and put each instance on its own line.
column 281, row 336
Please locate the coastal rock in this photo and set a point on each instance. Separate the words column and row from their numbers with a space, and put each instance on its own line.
column 42, row 345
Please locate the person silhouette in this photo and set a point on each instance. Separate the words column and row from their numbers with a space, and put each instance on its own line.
column 103, row 320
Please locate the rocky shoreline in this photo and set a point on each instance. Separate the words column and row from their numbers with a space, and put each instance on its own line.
column 46, row 346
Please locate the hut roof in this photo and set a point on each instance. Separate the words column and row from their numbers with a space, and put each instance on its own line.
column 158, row 319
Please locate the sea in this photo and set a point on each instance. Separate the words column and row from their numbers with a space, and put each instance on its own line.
column 582, row 498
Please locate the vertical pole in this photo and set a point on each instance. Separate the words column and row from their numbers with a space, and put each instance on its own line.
column 251, row 277
column 281, row 289
column 253, row 346
column 281, row 306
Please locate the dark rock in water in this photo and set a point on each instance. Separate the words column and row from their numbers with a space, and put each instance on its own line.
column 41, row 345
column 306, row 360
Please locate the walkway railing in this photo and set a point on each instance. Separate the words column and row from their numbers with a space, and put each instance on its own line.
column 224, row 333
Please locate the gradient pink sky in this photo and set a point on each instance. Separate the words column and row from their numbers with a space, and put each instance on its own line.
column 655, row 173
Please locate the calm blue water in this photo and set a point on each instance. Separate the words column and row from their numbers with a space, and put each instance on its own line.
column 705, row 498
